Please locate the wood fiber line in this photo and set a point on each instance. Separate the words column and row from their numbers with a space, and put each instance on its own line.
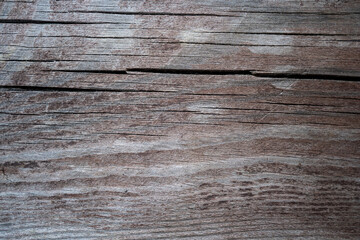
column 179, row 119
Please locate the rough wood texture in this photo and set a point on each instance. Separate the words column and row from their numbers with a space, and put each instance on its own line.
column 165, row 119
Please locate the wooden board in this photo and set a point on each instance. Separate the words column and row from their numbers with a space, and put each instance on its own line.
column 179, row 119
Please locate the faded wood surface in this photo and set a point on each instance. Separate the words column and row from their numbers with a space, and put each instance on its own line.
column 179, row 119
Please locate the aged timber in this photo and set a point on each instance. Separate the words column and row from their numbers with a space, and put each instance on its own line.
column 166, row 119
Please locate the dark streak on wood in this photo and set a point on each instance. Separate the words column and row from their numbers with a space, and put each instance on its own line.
column 30, row 21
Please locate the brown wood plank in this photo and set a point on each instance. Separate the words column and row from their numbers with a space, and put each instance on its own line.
column 179, row 119
column 287, row 39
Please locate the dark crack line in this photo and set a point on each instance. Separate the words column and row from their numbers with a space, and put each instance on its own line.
column 210, row 72
column 131, row 134
column 98, row 37
column 157, row 13
column 299, row 104
column 236, row 45
column 50, row 60
column 282, row 33
column 298, row 13
column 191, row 71
column 30, row 21
column 246, row 72
column 71, row 89
column 255, row 73
column 90, row 71
column 307, row 76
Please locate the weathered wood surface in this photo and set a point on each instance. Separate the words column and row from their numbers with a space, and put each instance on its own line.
column 179, row 119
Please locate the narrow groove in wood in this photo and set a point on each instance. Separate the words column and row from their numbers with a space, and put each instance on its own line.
column 238, row 45
column 68, row 89
column 307, row 76
column 191, row 71
column 50, row 60
column 31, row 21
column 156, row 13
column 212, row 72
column 245, row 72
column 280, row 33
column 298, row 13
column 89, row 71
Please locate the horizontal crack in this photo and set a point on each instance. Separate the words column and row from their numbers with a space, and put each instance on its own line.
column 50, row 60
column 191, row 71
column 30, row 21
column 280, row 33
column 245, row 72
column 307, row 76
column 71, row 89
column 254, row 73
column 299, row 104
column 156, row 13
column 91, row 71
column 235, row 44
column 297, row 13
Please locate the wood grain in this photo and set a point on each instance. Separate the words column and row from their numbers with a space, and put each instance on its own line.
column 179, row 119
